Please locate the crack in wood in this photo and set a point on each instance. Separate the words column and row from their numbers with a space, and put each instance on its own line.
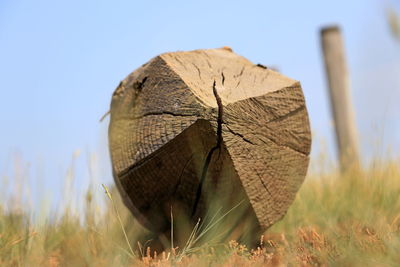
column 240, row 135
column 160, row 113
column 156, row 113
column 213, row 149
column 220, row 114
column 138, row 85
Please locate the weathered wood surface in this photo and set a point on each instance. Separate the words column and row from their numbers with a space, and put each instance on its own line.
column 192, row 129
column 340, row 97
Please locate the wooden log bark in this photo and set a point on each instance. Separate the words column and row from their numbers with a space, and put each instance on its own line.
column 208, row 128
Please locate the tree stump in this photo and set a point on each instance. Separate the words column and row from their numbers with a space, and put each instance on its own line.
column 208, row 128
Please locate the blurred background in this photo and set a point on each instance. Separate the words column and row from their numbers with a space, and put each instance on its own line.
column 60, row 62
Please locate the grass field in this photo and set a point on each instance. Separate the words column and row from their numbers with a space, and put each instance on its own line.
column 336, row 220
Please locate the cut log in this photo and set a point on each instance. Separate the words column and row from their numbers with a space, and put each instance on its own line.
column 208, row 128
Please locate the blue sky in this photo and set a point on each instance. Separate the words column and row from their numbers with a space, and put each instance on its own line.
column 60, row 62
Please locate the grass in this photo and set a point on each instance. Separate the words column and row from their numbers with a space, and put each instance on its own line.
column 336, row 220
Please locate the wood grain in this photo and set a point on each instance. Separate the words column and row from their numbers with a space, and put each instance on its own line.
column 183, row 109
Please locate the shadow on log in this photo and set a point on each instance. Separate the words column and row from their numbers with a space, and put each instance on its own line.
column 204, row 131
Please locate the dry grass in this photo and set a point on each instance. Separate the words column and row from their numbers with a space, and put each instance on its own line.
column 342, row 220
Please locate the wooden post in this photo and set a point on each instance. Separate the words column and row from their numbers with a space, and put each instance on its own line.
column 339, row 90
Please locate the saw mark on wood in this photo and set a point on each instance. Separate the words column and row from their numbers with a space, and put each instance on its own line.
column 287, row 115
column 282, row 145
column 211, row 152
column 269, row 109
